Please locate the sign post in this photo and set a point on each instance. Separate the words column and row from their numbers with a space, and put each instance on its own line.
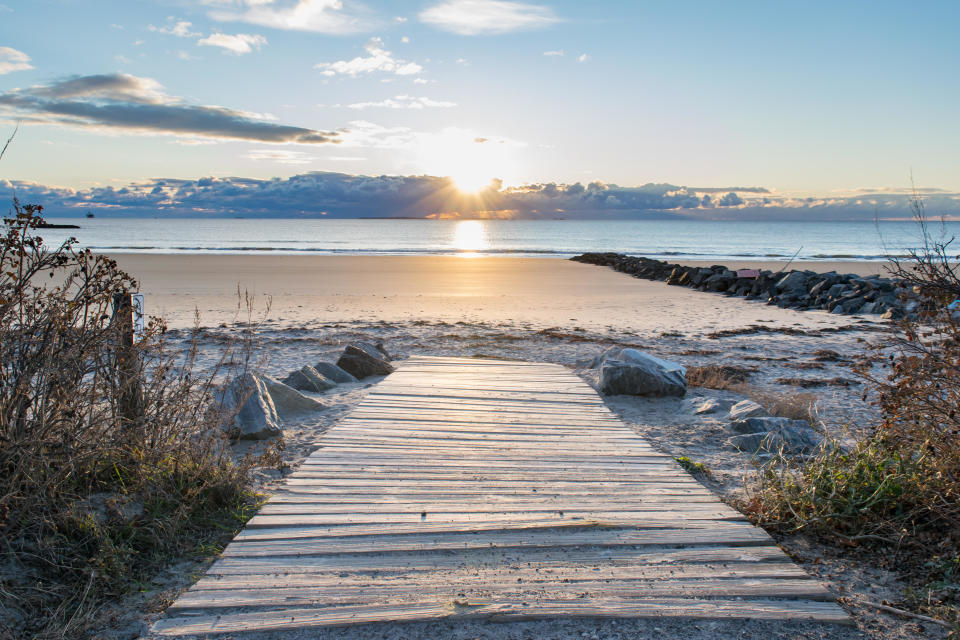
column 129, row 317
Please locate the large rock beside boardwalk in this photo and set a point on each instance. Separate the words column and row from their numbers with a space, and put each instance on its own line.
column 362, row 360
column 255, row 404
column 309, row 379
column 636, row 373
column 332, row 372
column 770, row 435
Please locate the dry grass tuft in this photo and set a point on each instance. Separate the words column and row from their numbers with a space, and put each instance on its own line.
column 796, row 406
column 713, row 376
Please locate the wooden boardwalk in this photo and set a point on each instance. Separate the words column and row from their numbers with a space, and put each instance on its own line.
column 466, row 488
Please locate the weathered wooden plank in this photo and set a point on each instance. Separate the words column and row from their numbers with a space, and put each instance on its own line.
column 287, row 619
column 603, row 559
column 424, row 526
column 361, row 455
column 472, row 576
column 725, row 533
column 338, row 594
column 341, row 517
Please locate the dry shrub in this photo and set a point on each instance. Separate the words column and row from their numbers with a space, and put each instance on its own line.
column 110, row 462
column 716, row 376
column 898, row 488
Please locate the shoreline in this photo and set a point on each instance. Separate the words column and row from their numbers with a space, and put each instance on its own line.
column 860, row 265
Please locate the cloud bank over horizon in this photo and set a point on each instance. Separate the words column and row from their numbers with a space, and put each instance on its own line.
column 339, row 195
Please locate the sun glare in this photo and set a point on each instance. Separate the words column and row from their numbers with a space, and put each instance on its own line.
column 472, row 163
column 470, row 182
column 469, row 235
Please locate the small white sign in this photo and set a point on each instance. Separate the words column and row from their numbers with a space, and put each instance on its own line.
column 136, row 307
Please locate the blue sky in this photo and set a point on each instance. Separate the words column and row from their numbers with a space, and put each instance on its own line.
column 822, row 100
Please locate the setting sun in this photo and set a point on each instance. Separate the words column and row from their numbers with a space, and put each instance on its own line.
column 472, row 162
column 471, row 182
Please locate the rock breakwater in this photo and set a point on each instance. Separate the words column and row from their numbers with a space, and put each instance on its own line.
column 834, row 292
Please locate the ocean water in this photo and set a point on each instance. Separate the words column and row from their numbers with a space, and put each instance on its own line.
column 668, row 240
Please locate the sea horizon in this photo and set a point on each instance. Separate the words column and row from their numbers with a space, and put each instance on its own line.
column 670, row 240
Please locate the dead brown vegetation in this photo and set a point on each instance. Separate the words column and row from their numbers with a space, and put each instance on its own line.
column 110, row 459
column 896, row 492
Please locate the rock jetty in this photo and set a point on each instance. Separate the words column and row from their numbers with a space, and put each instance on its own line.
column 832, row 291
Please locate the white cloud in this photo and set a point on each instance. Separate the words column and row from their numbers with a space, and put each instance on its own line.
column 122, row 59
column 238, row 44
column 420, row 81
column 283, row 157
column 583, row 57
column 476, row 17
column 379, row 59
column 320, row 16
column 362, row 133
column 404, row 102
column 181, row 29
column 558, row 52
column 12, row 60
column 405, row 40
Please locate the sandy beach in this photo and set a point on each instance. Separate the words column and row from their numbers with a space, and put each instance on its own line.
column 537, row 292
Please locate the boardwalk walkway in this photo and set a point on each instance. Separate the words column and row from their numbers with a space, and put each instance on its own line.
column 494, row 490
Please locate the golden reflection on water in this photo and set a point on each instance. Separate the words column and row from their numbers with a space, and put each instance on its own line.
column 469, row 236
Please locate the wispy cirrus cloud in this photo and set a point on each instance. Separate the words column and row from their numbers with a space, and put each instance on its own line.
column 13, row 60
column 238, row 44
column 404, row 102
column 319, row 16
column 482, row 17
column 378, row 59
column 129, row 103
column 281, row 156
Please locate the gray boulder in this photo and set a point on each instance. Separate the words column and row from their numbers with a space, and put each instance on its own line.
column 287, row 400
column 307, row 379
column 250, row 412
column 254, row 405
column 769, row 435
column 374, row 350
column 746, row 409
column 332, row 372
column 636, row 373
column 793, row 281
column 359, row 361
